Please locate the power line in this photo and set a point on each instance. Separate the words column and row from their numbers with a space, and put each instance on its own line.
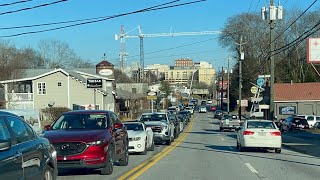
column 250, row 5
column 72, row 21
column 33, row 7
column 257, row 6
column 13, row 3
column 104, row 19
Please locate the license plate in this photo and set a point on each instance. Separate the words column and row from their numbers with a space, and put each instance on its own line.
column 227, row 121
column 261, row 133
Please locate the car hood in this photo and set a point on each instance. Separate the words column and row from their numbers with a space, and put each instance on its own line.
column 155, row 123
column 132, row 133
column 55, row 136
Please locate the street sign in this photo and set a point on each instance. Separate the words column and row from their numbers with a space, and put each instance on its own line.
column 152, row 93
column 264, row 76
column 260, row 82
column 151, row 97
column 94, row 83
column 254, row 89
column 256, row 99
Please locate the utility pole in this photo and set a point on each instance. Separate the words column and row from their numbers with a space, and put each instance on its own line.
column 228, row 93
column 240, row 74
column 275, row 13
column 221, row 89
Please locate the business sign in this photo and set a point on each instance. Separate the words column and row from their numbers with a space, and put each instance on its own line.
column 151, row 97
column 94, row 83
column 152, row 93
column 106, row 72
column 287, row 110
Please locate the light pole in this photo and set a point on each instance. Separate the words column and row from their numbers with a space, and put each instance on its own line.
column 228, row 91
column 240, row 74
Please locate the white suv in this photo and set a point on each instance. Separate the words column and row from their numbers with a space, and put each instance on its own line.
column 312, row 119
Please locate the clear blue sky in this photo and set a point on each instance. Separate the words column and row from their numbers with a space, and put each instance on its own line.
column 93, row 40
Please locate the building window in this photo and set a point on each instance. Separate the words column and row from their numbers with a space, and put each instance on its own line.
column 134, row 90
column 59, row 83
column 42, row 88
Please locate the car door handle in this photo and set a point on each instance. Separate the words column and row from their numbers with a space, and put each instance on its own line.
column 17, row 155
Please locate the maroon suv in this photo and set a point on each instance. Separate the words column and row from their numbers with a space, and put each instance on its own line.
column 92, row 139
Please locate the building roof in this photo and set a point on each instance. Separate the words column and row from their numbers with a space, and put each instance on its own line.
column 105, row 63
column 296, row 91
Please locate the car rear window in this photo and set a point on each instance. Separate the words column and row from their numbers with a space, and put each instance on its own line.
column 260, row 124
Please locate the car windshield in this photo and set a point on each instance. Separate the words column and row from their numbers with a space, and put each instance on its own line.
column 134, row 126
column 153, row 117
column 80, row 121
column 260, row 125
column 183, row 112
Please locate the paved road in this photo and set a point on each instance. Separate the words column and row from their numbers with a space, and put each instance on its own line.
column 208, row 154
column 134, row 160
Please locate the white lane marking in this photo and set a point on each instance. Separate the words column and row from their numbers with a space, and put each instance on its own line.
column 222, row 139
column 251, row 168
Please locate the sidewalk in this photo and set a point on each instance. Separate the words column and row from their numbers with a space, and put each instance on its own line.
column 301, row 141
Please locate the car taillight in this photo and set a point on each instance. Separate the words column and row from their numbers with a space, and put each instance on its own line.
column 277, row 133
column 248, row 133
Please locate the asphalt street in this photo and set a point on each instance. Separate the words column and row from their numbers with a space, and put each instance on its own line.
column 134, row 160
column 208, row 154
column 205, row 153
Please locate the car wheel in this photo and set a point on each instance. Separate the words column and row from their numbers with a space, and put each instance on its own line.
column 278, row 150
column 108, row 169
column 241, row 149
column 48, row 173
column 221, row 129
column 125, row 160
column 144, row 152
column 168, row 142
column 152, row 147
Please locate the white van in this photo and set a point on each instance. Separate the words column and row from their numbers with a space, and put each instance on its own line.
column 312, row 119
column 30, row 116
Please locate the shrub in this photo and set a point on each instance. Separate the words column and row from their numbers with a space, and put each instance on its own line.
column 52, row 113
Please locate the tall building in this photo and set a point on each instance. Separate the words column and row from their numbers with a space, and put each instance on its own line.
column 183, row 63
column 206, row 75
column 180, row 75
column 161, row 68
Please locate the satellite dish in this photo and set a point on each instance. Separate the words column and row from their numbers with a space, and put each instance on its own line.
column 51, row 103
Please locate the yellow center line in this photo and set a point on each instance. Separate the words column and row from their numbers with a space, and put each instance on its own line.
column 144, row 166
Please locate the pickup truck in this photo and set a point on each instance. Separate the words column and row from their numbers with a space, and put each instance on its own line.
column 229, row 122
column 162, row 127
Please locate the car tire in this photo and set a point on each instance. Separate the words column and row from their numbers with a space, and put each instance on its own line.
column 221, row 129
column 144, row 152
column 48, row 173
column 168, row 142
column 278, row 150
column 152, row 147
column 242, row 149
column 108, row 169
column 125, row 160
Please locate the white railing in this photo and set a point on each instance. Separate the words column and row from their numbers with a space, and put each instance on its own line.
column 19, row 97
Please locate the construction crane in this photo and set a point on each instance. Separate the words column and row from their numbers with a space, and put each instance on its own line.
column 122, row 36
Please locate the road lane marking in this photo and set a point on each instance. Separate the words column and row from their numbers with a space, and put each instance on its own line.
column 144, row 166
column 251, row 168
column 222, row 139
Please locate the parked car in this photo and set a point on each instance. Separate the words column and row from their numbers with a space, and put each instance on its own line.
column 90, row 139
column 310, row 118
column 294, row 122
column 218, row 114
column 259, row 134
column 187, row 114
column 317, row 125
column 161, row 126
column 23, row 154
column 190, row 109
column 202, row 109
column 229, row 122
column 140, row 137
column 176, row 121
column 212, row 108
column 30, row 116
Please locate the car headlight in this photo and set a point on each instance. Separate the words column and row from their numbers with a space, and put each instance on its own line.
column 96, row 143
column 136, row 138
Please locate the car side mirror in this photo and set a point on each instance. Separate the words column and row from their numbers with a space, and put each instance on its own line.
column 47, row 127
column 5, row 145
column 118, row 125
